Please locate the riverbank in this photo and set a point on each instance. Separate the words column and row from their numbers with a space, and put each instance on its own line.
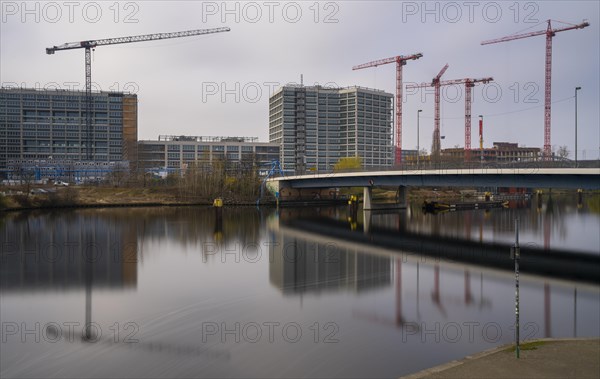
column 544, row 358
column 16, row 198
column 94, row 197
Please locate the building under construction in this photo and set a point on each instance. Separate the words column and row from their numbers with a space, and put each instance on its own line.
column 50, row 125
column 500, row 152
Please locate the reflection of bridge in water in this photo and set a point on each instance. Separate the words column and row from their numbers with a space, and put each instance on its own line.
column 327, row 238
column 552, row 263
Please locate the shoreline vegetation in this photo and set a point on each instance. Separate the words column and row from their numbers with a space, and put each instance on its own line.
column 15, row 198
column 235, row 185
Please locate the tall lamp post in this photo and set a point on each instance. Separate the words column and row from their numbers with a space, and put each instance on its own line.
column 481, row 138
column 418, row 147
column 576, row 89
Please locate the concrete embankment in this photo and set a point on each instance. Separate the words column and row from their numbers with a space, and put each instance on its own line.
column 544, row 358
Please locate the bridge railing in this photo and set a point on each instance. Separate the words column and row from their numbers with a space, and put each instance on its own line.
column 467, row 166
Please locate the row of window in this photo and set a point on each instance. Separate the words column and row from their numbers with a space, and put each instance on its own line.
column 215, row 148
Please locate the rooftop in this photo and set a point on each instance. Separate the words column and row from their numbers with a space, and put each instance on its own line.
column 318, row 87
column 182, row 138
column 55, row 88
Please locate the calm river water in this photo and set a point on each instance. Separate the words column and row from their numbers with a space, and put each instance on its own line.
column 176, row 292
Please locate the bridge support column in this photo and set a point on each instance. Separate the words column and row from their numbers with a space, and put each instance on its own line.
column 367, row 198
column 402, row 196
column 367, row 218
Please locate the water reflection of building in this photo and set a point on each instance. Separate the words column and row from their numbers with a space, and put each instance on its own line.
column 299, row 265
column 60, row 251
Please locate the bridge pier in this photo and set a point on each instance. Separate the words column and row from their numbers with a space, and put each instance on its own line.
column 402, row 196
column 367, row 218
column 367, row 198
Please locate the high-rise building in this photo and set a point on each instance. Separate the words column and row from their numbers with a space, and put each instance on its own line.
column 50, row 124
column 366, row 126
column 316, row 126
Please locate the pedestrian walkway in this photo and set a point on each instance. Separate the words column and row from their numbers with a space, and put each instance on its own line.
column 545, row 358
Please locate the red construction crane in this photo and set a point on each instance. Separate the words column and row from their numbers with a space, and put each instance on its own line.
column 436, row 144
column 549, row 32
column 435, row 82
column 400, row 61
column 92, row 44
column 469, row 83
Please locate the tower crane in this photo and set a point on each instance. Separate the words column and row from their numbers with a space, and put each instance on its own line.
column 400, row 61
column 469, row 83
column 549, row 33
column 92, row 44
column 436, row 145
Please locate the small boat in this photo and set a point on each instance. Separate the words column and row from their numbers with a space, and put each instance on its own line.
column 435, row 206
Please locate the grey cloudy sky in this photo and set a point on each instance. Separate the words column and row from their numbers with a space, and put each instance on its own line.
column 220, row 84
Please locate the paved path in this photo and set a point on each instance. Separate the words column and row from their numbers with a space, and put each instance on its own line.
column 550, row 358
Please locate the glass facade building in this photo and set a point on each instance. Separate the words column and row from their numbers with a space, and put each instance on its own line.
column 51, row 125
column 316, row 126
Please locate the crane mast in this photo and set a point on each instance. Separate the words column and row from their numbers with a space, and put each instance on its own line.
column 437, row 144
column 469, row 84
column 400, row 61
column 91, row 44
column 549, row 33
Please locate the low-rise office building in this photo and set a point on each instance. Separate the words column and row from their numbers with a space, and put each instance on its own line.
column 499, row 152
column 204, row 152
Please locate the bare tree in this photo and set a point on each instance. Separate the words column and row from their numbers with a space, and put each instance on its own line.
column 562, row 152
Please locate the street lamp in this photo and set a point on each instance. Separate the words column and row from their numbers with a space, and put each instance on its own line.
column 576, row 89
column 481, row 138
column 418, row 147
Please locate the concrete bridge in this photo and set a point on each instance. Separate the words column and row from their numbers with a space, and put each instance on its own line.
column 323, row 186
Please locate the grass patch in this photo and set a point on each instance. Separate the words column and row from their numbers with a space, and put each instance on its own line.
column 527, row 346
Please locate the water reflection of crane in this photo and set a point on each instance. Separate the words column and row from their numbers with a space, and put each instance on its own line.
column 91, row 333
column 468, row 298
column 399, row 320
column 547, row 230
column 435, row 294
column 468, row 295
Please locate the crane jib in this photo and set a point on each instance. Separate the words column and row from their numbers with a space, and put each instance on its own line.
column 129, row 39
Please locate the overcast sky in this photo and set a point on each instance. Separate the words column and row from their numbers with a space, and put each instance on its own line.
column 220, row 84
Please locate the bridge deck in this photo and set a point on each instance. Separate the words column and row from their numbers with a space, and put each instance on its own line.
column 568, row 178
